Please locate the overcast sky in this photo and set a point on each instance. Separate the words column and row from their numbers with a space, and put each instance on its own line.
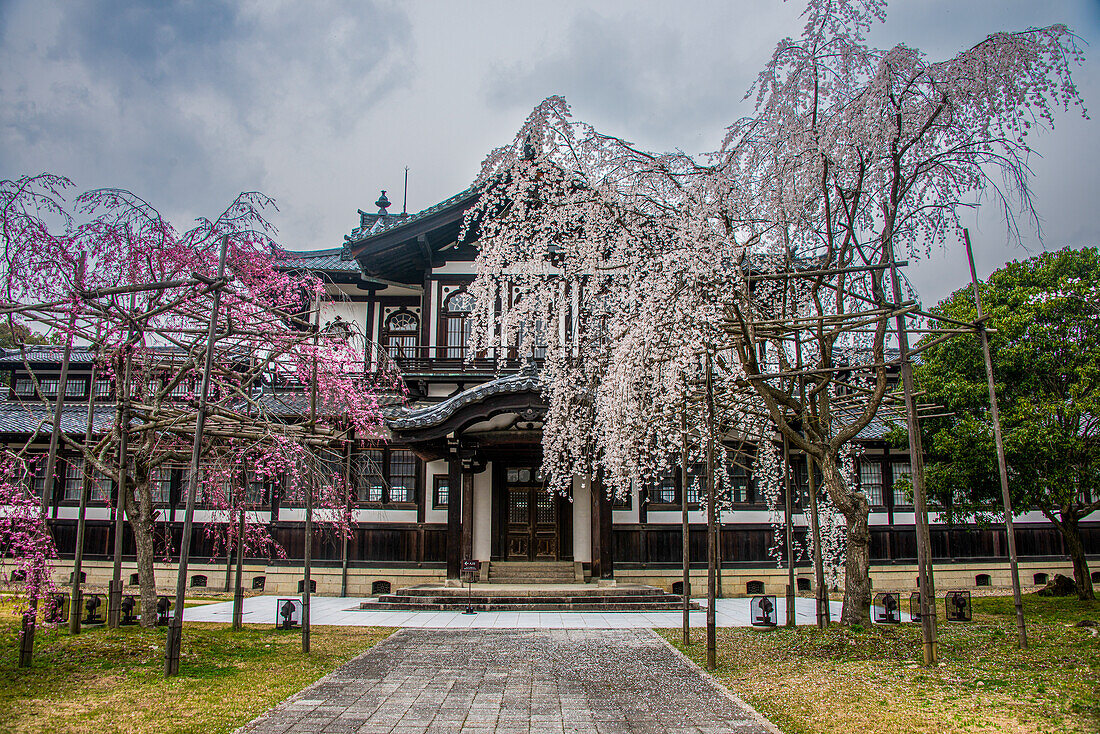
column 321, row 105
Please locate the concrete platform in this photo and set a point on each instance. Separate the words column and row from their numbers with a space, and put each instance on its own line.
column 327, row 610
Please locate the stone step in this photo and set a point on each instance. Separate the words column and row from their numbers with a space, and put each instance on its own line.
column 650, row 606
column 562, row 590
column 550, row 600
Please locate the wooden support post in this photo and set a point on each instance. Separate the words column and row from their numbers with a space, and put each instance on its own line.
column 307, row 560
column 1002, row 465
column 122, row 393
column 685, row 529
column 920, row 505
column 454, row 516
column 82, row 515
column 821, row 594
column 175, row 627
column 788, row 510
column 712, row 524
column 238, row 588
column 467, row 512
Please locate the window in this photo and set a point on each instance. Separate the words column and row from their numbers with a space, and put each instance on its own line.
column 870, row 480
column 400, row 334
column 379, row 587
column 101, row 487
column 402, row 475
column 903, row 483
column 983, row 579
column 754, row 587
column 74, row 388
column 258, row 582
column 74, row 479
column 312, row 586
column 50, row 386
column 369, row 481
column 180, row 390
column 255, row 493
column 456, row 323
column 740, row 485
column 24, row 387
column 103, row 388
column 386, row 475
column 697, row 477
column 36, row 474
column 663, row 490
column 622, row 500
column 135, row 579
column 161, row 486
column 440, row 490
column 1040, row 578
column 198, row 581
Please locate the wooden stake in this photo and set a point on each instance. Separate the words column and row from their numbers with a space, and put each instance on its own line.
column 1002, row 465
column 712, row 524
column 175, row 628
column 685, row 528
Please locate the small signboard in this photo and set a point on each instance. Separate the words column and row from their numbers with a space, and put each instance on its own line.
column 129, row 609
column 164, row 610
column 914, row 606
column 762, row 611
column 958, row 606
column 470, row 570
column 288, row 614
column 56, row 609
column 95, row 609
column 887, row 608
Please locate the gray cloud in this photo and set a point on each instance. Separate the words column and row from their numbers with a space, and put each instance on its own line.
column 322, row 104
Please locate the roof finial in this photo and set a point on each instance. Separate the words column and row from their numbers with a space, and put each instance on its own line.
column 382, row 203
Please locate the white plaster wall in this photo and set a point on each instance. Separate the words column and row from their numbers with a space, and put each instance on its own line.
column 430, row 469
column 582, row 521
column 454, row 267
column 91, row 513
column 351, row 311
column 483, row 513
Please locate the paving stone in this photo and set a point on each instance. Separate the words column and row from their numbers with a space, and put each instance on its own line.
column 536, row 681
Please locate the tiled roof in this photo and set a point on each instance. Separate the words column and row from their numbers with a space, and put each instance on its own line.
column 404, row 418
column 78, row 355
column 25, row 417
column 391, row 222
column 330, row 260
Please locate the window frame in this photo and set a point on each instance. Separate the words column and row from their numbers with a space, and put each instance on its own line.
column 385, row 467
column 400, row 350
column 441, row 481
column 465, row 326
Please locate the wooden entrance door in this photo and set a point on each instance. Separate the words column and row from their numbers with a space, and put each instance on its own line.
column 532, row 522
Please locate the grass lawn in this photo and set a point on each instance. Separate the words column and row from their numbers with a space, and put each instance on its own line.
column 102, row 681
column 841, row 680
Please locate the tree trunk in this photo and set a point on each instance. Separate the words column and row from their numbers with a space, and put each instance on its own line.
column 857, row 558
column 140, row 513
column 1081, row 576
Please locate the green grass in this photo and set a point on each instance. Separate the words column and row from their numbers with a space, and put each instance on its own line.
column 111, row 681
column 809, row 681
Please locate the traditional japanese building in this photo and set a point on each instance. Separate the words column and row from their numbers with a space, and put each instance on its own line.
column 460, row 474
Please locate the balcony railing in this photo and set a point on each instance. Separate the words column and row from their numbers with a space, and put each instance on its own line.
column 430, row 359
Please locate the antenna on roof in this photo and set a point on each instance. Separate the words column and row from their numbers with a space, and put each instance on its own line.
column 405, row 201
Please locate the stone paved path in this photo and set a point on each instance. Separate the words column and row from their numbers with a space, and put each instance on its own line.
column 510, row 681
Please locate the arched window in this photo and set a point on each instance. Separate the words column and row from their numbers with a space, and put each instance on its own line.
column 399, row 337
column 456, row 323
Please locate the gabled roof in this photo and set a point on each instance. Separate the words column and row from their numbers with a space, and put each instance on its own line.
column 32, row 416
column 333, row 262
column 401, row 249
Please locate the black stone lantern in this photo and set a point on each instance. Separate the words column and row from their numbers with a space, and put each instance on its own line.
column 958, row 606
column 129, row 609
column 914, row 606
column 762, row 611
column 164, row 610
column 95, row 609
column 886, row 608
column 288, row 614
column 56, row 609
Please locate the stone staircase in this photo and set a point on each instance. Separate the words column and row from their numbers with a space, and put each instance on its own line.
column 531, row 572
column 529, row 598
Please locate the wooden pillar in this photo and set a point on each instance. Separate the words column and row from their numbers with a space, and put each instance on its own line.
column 602, row 562
column 467, row 513
column 454, row 516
